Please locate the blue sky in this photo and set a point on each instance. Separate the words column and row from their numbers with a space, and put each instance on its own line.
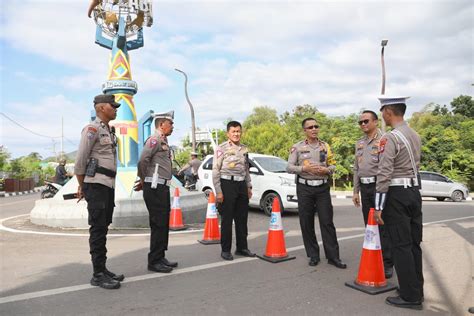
column 237, row 54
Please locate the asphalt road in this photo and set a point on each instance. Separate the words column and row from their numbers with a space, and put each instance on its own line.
column 48, row 273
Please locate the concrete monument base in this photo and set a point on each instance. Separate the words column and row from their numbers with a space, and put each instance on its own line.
column 130, row 210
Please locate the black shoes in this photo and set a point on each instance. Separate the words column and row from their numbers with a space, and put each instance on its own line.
column 104, row 281
column 245, row 253
column 398, row 293
column 313, row 261
column 159, row 267
column 227, row 256
column 388, row 272
column 397, row 301
column 171, row 264
column 113, row 276
column 337, row 263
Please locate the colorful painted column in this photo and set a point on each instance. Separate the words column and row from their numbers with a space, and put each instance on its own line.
column 118, row 32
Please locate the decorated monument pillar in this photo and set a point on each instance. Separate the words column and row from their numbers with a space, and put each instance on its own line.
column 120, row 29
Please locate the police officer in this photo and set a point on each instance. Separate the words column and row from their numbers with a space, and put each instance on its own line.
column 192, row 165
column 95, row 169
column 61, row 173
column 154, row 171
column 312, row 161
column 231, row 178
column 365, row 170
column 398, row 201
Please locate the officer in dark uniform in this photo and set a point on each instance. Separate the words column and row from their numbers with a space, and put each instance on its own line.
column 365, row 170
column 95, row 169
column 398, row 201
column 61, row 173
column 313, row 162
column 154, row 171
column 231, row 178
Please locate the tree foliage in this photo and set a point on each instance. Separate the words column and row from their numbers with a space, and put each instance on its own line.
column 447, row 137
column 463, row 105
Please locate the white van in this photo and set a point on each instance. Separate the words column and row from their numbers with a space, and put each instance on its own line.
column 269, row 180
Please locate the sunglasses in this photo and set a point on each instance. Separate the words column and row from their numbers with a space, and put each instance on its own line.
column 365, row 122
column 312, row 127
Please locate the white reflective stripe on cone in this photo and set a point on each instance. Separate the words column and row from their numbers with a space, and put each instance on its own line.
column 211, row 211
column 275, row 221
column 175, row 202
column 372, row 238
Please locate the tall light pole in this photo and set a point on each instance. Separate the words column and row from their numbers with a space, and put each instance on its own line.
column 384, row 43
column 193, row 127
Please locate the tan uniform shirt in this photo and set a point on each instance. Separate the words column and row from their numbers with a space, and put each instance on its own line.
column 230, row 160
column 394, row 158
column 304, row 153
column 366, row 158
column 155, row 151
column 193, row 164
column 97, row 142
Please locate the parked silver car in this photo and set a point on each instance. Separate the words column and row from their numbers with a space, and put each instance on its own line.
column 441, row 187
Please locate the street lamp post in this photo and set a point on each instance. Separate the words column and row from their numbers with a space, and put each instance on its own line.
column 384, row 43
column 193, row 127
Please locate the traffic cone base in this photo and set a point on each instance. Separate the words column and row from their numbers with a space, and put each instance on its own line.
column 212, row 234
column 209, row 242
column 184, row 227
column 276, row 259
column 373, row 290
column 371, row 276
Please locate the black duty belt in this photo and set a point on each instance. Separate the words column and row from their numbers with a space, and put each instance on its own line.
column 107, row 172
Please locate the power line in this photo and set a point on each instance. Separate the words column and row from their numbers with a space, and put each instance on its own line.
column 25, row 128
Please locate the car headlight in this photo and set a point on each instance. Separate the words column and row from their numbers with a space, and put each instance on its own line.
column 288, row 182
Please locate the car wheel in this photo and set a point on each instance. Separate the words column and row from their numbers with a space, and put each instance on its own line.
column 267, row 202
column 440, row 199
column 207, row 192
column 457, row 196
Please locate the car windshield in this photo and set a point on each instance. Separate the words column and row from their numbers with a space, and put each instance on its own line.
column 272, row 164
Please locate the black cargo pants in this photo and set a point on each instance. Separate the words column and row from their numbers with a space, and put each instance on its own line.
column 312, row 200
column 158, row 204
column 235, row 208
column 404, row 225
column 100, row 205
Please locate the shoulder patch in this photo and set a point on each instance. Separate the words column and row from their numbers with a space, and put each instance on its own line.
column 153, row 142
column 92, row 129
column 382, row 143
column 219, row 153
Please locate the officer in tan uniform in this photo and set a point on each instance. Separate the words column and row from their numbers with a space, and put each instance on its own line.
column 313, row 162
column 154, row 171
column 194, row 165
column 365, row 170
column 398, row 201
column 95, row 169
column 231, row 178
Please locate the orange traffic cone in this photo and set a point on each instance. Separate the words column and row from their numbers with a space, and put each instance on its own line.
column 212, row 234
column 371, row 277
column 276, row 249
column 176, row 216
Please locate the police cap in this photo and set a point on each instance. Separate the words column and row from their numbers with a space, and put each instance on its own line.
column 106, row 98
column 168, row 115
column 387, row 100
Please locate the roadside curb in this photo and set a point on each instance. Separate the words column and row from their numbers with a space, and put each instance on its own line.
column 8, row 194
